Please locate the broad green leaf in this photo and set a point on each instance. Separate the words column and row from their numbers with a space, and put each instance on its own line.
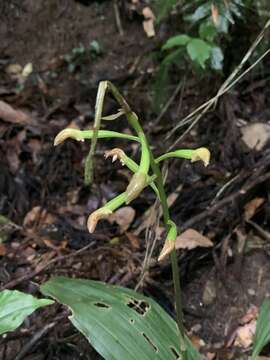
column 201, row 12
column 199, row 51
column 216, row 58
column 262, row 335
column 223, row 25
column 178, row 40
column 118, row 322
column 207, row 31
column 15, row 306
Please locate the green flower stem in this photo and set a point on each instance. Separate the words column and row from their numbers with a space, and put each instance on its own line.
column 175, row 268
column 106, row 134
column 116, row 202
column 183, row 153
column 147, row 159
column 81, row 135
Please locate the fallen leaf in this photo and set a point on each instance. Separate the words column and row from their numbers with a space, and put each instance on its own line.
column 123, row 217
column 196, row 341
column 209, row 292
column 37, row 214
column 252, row 206
column 191, row 239
column 250, row 315
column 255, row 136
column 14, row 70
column 7, row 113
column 148, row 23
column 245, row 335
column 134, row 240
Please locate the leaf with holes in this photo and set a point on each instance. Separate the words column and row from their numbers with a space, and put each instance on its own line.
column 118, row 322
column 15, row 306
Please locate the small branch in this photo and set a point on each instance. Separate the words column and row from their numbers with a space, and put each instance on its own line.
column 118, row 18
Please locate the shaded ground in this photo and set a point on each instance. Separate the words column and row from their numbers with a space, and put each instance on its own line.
column 42, row 189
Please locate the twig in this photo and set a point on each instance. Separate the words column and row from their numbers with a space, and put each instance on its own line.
column 32, row 274
column 265, row 234
column 117, row 18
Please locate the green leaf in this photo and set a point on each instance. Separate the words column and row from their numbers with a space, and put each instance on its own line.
column 223, row 25
column 199, row 51
column 118, row 322
column 216, row 58
column 200, row 13
column 178, row 40
column 207, row 31
column 262, row 335
column 15, row 306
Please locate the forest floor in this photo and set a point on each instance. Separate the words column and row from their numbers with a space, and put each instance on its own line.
column 44, row 202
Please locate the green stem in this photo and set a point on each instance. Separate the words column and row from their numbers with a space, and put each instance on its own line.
column 182, row 153
column 175, row 269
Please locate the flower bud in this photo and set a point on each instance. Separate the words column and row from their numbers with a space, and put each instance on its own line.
column 167, row 249
column 68, row 133
column 202, row 154
column 93, row 219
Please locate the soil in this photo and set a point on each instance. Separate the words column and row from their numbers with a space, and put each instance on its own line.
column 44, row 197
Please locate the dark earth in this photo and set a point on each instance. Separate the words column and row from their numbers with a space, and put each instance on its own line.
column 44, row 197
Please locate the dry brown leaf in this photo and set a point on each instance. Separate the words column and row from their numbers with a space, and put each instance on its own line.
column 250, row 315
column 252, row 206
column 245, row 335
column 134, row 240
column 191, row 239
column 123, row 217
column 263, row 358
column 209, row 292
column 148, row 23
column 196, row 341
column 7, row 113
column 256, row 135
column 37, row 214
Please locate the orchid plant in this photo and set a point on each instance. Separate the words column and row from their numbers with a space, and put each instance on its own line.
column 121, row 323
column 146, row 173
